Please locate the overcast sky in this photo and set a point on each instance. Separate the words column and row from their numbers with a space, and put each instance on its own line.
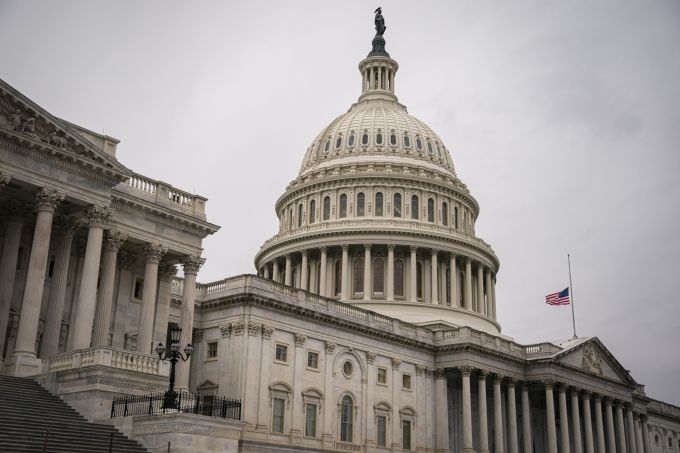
column 563, row 118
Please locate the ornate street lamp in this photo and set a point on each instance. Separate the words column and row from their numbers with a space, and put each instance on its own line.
column 173, row 355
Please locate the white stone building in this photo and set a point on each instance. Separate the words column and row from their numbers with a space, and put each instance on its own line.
column 371, row 325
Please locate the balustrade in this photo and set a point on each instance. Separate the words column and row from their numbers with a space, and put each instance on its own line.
column 105, row 356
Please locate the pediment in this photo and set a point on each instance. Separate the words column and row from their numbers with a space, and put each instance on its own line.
column 24, row 122
column 593, row 357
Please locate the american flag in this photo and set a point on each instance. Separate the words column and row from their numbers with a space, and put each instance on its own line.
column 561, row 298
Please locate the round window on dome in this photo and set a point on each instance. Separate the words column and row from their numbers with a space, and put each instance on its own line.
column 347, row 369
column 393, row 139
column 379, row 138
column 338, row 142
column 419, row 143
column 407, row 141
column 350, row 140
column 364, row 139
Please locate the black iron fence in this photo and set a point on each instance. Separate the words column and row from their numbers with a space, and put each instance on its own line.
column 190, row 403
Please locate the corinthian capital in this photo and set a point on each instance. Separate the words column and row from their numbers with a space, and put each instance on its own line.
column 4, row 180
column 192, row 264
column 167, row 271
column 114, row 240
column 14, row 210
column 98, row 216
column 48, row 200
column 154, row 253
column 65, row 226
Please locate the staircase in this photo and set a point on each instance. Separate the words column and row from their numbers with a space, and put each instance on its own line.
column 28, row 411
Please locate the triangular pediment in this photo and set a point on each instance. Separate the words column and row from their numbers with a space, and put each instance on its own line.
column 592, row 356
column 25, row 122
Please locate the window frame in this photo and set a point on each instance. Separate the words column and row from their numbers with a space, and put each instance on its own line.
column 208, row 356
column 346, row 419
column 276, row 350
column 282, row 401
column 327, row 208
column 342, row 206
column 395, row 204
column 379, row 210
column 407, row 377
column 377, row 376
column 318, row 356
column 316, row 419
column 415, row 207
column 361, row 204
column 312, row 211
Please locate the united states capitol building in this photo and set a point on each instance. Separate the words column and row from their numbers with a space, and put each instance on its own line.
column 370, row 324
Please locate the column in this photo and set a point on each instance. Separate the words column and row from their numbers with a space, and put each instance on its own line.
column 631, row 429
column 390, row 271
column 304, row 278
column 513, row 446
column 65, row 229
column 489, row 297
column 645, row 436
column 498, row 414
column 620, row 428
column 576, row 421
column 467, row 410
column 414, row 275
column 13, row 212
column 639, row 446
column 453, row 272
column 313, row 287
column 344, row 287
column 153, row 253
column 468, row 284
column 588, row 423
column 611, row 440
column 102, row 318
column 191, row 265
column 483, row 423
column 550, row 415
column 23, row 361
column 564, row 418
column 322, row 272
column 441, row 411
column 266, row 271
column 166, row 274
column 480, row 289
column 288, row 276
column 599, row 426
column 275, row 271
column 368, row 268
column 434, row 292
column 493, row 297
column 526, row 419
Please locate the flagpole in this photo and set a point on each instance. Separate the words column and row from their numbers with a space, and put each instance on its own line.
column 571, row 297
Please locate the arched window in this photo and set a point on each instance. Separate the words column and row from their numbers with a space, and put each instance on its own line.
column 407, row 141
column 364, row 138
column 414, row 207
column 378, row 204
column 455, row 217
column 379, row 138
column 312, row 211
column 338, row 277
column 358, row 276
column 393, row 139
column 397, row 205
column 430, row 210
column 346, row 419
column 439, row 151
column 290, row 219
column 419, row 280
column 419, row 143
column 328, row 145
column 361, row 204
column 378, row 275
column 327, row 208
column 343, row 205
column 445, row 213
column 429, row 147
column 399, row 278
column 338, row 142
column 300, row 208
column 350, row 140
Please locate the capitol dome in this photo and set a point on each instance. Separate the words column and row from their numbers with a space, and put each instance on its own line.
column 378, row 218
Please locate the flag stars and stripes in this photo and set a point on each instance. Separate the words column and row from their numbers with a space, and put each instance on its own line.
column 561, row 298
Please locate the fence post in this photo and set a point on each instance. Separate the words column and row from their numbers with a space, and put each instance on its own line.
column 198, row 399
column 168, row 447
column 47, row 434
column 151, row 404
column 111, row 443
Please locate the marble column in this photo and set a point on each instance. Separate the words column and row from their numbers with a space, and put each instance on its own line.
column 275, row 271
column 631, row 429
column 467, row 410
column 288, row 276
column 65, row 228
column 390, row 272
column 526, row 419
column 87, row 297
column 266, row 271
column 550, row 416
column 304, row 277
column 368, row 268
column 468, row 284
column 191, row 265
column 599, row 425
column 453, row 281
column 102, row 317
column 14, row 213
column 645, row 436
column 344, row 287
column 576, row 421
column 166, row 274
column 489, row 298
column 498, row 414
column 564, row 418
column 483, row 423
column 513, row 446
column 23, row 361
column 620, row 428
column 441, row 411
column 322, row 272
column 434, row 291
column 588, row 423
column 493, row 296
column 153, row 254
column 639, row 446
column 480, row 289
column 611, row 435
column 414, row 275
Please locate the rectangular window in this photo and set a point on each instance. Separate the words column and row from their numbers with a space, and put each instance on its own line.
column 406, row 381
column 312, row 360
column 212, row 350
column 277, row 418
column 281, row 353
column 382, row 376
column 139, row 288
column 310, row 420
column 406, row 435
column 382, row 431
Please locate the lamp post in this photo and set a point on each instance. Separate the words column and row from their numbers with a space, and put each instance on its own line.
column 173, row 355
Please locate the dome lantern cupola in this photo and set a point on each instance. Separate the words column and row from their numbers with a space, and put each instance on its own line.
column 378, row 69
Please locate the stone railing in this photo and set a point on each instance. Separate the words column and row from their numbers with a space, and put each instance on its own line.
column 105, row 356
column 470, row 335
column 163, row 194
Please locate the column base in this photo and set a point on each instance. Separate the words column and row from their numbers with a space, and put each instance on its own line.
column 468, row 450
column 23, row 365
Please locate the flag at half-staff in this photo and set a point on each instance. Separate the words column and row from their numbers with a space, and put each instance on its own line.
column 560, row 298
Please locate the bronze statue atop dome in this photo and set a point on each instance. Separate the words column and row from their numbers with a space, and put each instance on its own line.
column 378, row 40
column 379, row 22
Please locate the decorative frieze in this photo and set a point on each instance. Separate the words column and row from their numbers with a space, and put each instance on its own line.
column 591, row 360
